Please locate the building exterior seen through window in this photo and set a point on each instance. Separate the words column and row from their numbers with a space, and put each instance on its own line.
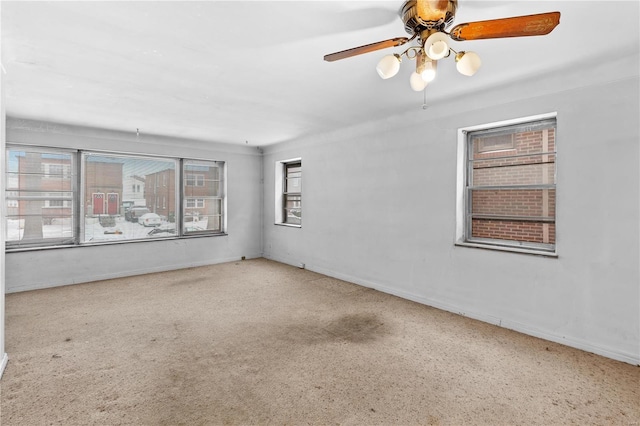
column 203, row 196
column 510, row 186
column 117, row 197
column 292, row 194
column 40, row 195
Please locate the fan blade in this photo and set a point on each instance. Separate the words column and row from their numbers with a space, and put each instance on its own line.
column 519, row 26
column 398, row 41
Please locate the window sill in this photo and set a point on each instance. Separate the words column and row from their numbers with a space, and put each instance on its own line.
column 508, row 249
column 111, row 243
column 289, row 225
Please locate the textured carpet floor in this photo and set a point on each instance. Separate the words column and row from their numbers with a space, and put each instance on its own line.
column 258, row 342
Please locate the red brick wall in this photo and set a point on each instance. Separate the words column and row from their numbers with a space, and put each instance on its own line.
column 513, row 202
column 493, row 169
column 101, row 177
column 513, row 230
column 158, row 188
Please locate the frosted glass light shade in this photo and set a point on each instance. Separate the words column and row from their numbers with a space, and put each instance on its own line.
column 429, row 72
column 388, row 66
column 468, row 63
column 436, row 45
column 417, row 82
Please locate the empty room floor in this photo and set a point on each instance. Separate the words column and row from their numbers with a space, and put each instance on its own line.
column 259, row 342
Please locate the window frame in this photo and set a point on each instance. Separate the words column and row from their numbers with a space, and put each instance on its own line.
column 463, row 188
column 83, row 155
column 281, row 191
column 201, row 177
column 71, row 172
column 77, row 173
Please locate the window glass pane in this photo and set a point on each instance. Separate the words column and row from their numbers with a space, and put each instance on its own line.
column 538, row 203
column 293, row 178
column 39, row 197
column 293, row 209
column 114, row 209
column 522, row 231
column 203, row 196
column 528, row 170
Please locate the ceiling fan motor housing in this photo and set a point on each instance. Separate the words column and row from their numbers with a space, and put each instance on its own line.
column 434, row 19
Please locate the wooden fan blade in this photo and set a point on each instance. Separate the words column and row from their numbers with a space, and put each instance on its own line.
column 519, row 26
column 398, row 41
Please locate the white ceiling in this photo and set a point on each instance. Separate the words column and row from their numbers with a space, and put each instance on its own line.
column 253, row 72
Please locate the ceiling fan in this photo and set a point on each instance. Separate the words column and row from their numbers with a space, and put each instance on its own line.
column 426, row 20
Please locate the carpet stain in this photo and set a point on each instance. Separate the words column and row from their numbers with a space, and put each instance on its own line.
column 357, row 328
column 354, row 328
column 190, row 281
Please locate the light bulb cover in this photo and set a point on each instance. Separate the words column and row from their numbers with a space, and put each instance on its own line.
column 417, row 82
column 468, row 63
column 388, row 66
column 429, row 72
column 436, row 46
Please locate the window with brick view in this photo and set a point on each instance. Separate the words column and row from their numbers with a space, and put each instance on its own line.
column 511, row 186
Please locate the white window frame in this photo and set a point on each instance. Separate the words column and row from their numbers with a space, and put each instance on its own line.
column 198, row 203
column 461, row 238
column 280, row 172
column 69, row 172
column 197, row 179
column 65, row 168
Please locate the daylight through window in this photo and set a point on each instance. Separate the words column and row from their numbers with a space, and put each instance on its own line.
column 292, row 196
column 203, row 196
column 40, row 195
column 118, row 197
column 510, row 186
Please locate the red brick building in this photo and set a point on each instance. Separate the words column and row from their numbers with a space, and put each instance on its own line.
column 102, row 188
column 515, row 159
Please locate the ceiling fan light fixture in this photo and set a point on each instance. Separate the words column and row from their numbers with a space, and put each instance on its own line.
column 468, row 63
column 417, row 82
column 388, row 66
column 436, row 45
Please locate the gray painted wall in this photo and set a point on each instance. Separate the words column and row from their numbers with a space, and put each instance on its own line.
column 379, row 210
column 379, row 204
column 83, row 264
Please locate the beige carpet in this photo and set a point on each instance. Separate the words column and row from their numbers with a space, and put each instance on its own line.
column 258, row 342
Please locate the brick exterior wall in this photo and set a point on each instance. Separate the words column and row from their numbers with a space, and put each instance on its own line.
column 27, row 166
column 101, row 177
column 491, row 168
column 160, row 192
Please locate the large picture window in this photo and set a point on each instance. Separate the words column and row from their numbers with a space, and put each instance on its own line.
column 118, row 197
column 509, row 197
column 111, row 213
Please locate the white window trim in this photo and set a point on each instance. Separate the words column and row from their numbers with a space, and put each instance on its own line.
column 279, row 195
column 461, row 179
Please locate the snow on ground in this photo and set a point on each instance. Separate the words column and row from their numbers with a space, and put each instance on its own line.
column 93, row 231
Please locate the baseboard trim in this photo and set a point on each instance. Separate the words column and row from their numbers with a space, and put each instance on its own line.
column 129, row 273
column 630, row 358
column 3, row 364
